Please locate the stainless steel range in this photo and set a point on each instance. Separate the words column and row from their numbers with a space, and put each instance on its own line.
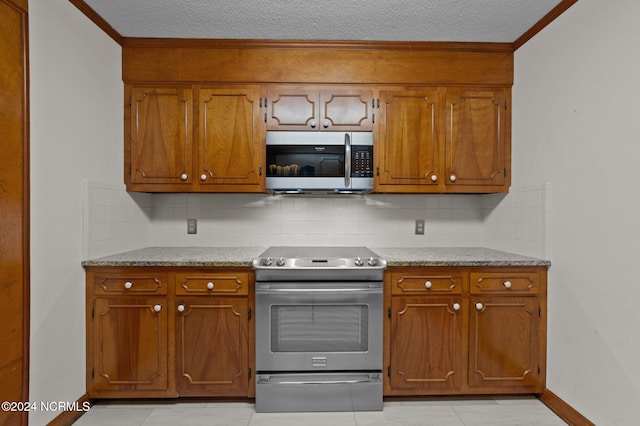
column 319, row 320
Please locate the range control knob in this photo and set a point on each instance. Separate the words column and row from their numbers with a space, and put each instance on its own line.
column 280, row 262
column 372, row 261
column 267, row 261
column 359, row 262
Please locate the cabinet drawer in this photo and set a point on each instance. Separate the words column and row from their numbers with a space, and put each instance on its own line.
column 227, row 283
column 425, row 283
column 505, row 282
column 130, row 283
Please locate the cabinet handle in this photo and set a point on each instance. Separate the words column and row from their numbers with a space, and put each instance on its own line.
column 180, row 308
column 210, row 285
column 452, row 178
column 428, row 284
column 157, row 308
column 326, row 123
column 434, row 178
column 479, row 306
column 184, row 176
column 507, row 284
column 128, row 285
column 313, row 123
column 203, row 177
column 456, row 306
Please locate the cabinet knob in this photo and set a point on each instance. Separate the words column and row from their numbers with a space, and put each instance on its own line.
column 210, row 285
column 434, row 178
column 128, row 285
column 456, row 306
column 180, row 308
column 479, row 306
column 313, row 123
column 157, row 308
column 428, row 284
column 203, row 177
column 326, row 123
column 184, row 176
column 452, row 178
column 507, row 284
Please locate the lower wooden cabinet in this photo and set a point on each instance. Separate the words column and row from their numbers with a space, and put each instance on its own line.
column 130, row 346
column 211, row 346
column 465, row 338
column 161, row 332
column 162, row 340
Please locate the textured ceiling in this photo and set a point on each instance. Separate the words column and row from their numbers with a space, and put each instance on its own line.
column 500, row 21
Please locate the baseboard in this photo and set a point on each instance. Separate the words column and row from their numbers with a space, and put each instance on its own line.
column 67, row 418
column 563, row 410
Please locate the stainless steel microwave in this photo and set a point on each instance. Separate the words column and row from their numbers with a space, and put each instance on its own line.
column 319, row 162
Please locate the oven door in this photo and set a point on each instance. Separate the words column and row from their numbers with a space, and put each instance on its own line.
column 315, row 326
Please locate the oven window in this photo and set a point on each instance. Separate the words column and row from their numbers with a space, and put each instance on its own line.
column 319, row 328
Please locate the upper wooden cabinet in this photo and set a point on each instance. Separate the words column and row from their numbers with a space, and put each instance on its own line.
column 478, row 142
column 230, row 140
column 160, row 129
column 314, row 108
column 196, row 111
column 444, row 140
column 164, row 127
column 409, row 141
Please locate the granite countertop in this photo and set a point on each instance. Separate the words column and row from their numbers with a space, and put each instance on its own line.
column 181, row 256
column 243, row 256
column 454, row 256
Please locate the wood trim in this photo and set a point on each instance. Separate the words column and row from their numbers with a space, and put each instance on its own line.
column 542, row 23
column 67, row 418
column 314, row 44
column 15, row 170
column 353, row 63
column 98, row 20
column 563, row 410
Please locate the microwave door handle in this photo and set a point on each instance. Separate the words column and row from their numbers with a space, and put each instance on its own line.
column 347, row 160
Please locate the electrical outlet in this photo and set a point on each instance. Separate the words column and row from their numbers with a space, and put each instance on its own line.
column 192, row 226
column 419, row 227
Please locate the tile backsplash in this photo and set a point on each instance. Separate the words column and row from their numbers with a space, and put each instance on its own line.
column 117, row 221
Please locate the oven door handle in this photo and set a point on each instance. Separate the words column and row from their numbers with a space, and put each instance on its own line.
column 317, row 382
column 271, row 289
column 319, row 290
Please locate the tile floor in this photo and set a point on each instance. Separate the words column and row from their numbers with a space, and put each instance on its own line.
column 523, row 411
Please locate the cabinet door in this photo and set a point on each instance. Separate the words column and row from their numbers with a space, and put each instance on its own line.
column 346, row 110
column 504, row 344
column 230, row 139
column 212, row 346
column 130, row 351
column 428, row 344
column 477, row 141
column 292, row 108
column 160, row 136
column 409, row 141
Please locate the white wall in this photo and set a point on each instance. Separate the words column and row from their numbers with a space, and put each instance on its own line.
column 76, row 135
column 576, row 124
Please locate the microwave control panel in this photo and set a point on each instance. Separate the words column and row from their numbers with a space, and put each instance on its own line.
column 362, row 161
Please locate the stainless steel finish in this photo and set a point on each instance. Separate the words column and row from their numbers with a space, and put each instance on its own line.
column 340, row 295
column 344, row 391
column 319, row 263
column 320, row 186
column 347, row 160
column 319, row 329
